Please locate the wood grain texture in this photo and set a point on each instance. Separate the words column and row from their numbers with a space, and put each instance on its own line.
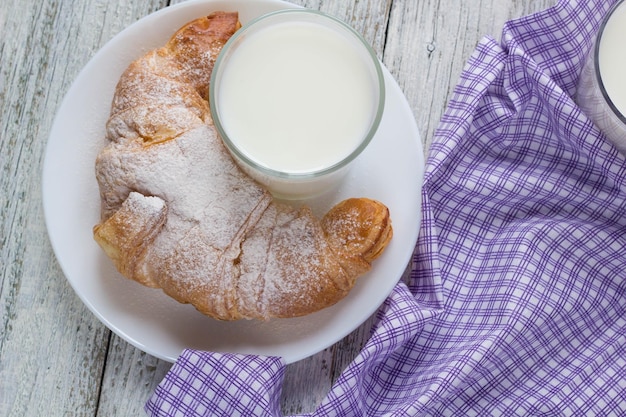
column 52, row 349
column 429, row 42
column 56, row 358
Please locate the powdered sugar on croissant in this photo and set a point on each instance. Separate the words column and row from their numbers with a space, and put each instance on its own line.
column 178, row 214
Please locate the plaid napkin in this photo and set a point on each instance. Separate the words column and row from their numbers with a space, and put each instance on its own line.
column 517, row 299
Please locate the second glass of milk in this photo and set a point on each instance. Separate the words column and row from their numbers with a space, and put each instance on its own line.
column 601, row 92
column 296, row 96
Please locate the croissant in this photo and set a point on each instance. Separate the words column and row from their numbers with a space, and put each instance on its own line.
column 178, row 213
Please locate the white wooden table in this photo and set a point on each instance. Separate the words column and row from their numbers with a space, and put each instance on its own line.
column 56, row 358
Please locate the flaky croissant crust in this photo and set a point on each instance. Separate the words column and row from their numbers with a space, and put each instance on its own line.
column 178, row 214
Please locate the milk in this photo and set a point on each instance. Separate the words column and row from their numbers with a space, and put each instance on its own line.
column 601, row 91
column 296, row 97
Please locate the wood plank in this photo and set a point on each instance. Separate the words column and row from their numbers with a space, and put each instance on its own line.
column 130, row 377
column 308, row 381
column 55, row 357
column 419, row 43
column 52, row 349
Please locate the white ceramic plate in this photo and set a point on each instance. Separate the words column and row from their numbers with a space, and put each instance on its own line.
column 390, row 170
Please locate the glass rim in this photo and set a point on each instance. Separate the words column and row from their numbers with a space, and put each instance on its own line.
column 373, row 127
column 596, row 61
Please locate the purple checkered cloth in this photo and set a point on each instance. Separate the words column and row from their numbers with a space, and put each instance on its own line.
column 517, row 300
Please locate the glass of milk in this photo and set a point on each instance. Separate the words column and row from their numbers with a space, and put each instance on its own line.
column 601, row 92
column 296, row 96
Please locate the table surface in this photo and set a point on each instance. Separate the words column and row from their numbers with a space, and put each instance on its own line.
column 56, row 358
